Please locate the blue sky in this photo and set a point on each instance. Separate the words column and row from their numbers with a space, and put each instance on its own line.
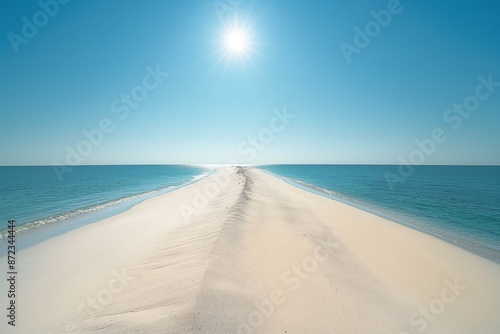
column 395, row 91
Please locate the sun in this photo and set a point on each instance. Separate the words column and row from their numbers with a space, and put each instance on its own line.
column 237, row 41
column 237, row 47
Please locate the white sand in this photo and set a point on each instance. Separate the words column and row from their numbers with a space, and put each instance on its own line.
column 259, row 257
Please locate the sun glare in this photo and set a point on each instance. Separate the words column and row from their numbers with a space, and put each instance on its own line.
column 236, row 41
column 237, row 47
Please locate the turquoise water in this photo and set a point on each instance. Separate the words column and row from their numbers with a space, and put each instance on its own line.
column 460, row 204
column 35, row 197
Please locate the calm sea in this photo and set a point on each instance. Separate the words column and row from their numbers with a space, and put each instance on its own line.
column 34, row 196
column 460, row 204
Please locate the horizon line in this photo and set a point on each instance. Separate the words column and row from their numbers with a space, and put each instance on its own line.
column 250, row 165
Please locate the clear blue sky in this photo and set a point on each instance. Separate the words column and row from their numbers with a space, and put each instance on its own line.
column 64, row 79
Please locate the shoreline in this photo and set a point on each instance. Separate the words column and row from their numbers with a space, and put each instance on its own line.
column 44, row 228
column 413, row 223
column 255, row 254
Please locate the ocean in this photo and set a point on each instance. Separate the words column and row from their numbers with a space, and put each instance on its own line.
column 459, row 204
column 34, row 196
